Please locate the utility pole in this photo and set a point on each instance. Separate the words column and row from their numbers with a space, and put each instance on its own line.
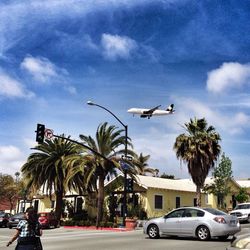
column 123, row 164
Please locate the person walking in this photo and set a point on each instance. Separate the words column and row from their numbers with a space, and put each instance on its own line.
column 28, row 232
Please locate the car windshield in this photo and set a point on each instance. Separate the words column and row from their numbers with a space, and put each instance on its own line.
column 214, row 211
column 242, row 206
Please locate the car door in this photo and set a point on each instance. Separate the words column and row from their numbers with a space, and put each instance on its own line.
column 171, row 222
column 189, row 221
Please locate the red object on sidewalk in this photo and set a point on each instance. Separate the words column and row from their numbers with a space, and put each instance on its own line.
column 130, row 223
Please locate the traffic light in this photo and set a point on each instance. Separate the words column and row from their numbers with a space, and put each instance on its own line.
column 40, row 133
column 129, row 185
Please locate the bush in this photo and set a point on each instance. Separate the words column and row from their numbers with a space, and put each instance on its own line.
column 106, row 224
column 84, row 223
column 80, row 216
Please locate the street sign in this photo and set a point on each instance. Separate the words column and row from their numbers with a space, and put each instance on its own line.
column 124, row 165
column 48, row 133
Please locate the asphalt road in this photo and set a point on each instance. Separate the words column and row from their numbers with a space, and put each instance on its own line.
column 77, row 239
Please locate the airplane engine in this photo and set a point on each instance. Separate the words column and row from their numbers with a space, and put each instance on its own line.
column 146, row 116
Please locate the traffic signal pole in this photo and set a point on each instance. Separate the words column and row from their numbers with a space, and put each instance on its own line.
column 40, row 133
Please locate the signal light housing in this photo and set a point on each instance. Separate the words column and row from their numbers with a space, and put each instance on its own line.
column 40, row 133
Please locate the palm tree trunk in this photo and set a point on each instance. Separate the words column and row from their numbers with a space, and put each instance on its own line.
column 198, row 196
column 59, row 204
column 100, row 200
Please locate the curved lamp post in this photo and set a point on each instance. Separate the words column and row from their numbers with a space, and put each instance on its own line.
column 126, row 154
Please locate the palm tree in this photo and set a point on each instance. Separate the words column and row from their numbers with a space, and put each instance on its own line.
column 200, row 149
column 17, row 174
column 46, row 168
column 107, row 142
column 141, row 163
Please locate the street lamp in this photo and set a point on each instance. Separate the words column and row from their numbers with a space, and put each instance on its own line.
column 126, row 155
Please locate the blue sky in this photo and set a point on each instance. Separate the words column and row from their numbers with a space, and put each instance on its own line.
column 55, row 55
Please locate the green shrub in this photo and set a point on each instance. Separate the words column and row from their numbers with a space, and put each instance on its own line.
column 106, row 224
column 80, row 216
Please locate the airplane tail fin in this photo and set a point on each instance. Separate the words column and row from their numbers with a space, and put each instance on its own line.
column 170, row 108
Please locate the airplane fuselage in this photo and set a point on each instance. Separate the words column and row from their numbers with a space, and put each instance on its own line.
column 157, row 112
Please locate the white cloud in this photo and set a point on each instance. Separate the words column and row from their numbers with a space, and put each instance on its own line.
column 30, row 143
column 9, row 152
column 160, row 149
column 18, row 17
column 72, row 90
column 230, row 123
column 11, row 159
column 10, row 87
column 44, row 71
column 115, row 46
column 227, row 76
column 40, row 68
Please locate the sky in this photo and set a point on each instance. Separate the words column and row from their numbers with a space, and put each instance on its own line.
column 55, row 55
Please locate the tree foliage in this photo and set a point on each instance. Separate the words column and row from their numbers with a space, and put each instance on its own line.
column 140, row 162
column 222, row 175
column 167, row 176
column 108, row 141
column 242, row 196
column 46, row 168
column 10, row 189
column 199, row 148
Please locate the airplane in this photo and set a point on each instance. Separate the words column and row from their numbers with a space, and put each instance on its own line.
column 147, row 113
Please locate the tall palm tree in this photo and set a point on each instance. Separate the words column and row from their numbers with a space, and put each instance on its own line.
column 17, row 174
column 200, row 149
column 141, row 163
column 108, row 141
column 46, row 169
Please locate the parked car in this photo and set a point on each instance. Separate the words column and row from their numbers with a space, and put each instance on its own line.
column 14, row 220
column 202, row 223
column 242, row 211
column 241, row 241
column 4, row 218
column 48, row 220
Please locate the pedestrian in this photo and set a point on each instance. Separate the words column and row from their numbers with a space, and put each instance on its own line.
column 28, row 232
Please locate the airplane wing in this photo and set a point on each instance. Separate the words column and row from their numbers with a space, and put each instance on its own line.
column 150, row 111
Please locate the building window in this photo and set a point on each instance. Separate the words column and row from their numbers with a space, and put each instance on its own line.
column 158, row 202
column 177, row 202
column 195, row 202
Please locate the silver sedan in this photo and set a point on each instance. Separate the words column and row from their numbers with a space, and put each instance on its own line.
column 202, row 223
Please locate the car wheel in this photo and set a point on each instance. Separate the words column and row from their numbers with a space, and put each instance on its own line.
column 153, row 231
column 248, row 219
column 203, row 233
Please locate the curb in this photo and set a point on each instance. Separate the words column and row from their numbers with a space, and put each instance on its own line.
column 114, row 229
